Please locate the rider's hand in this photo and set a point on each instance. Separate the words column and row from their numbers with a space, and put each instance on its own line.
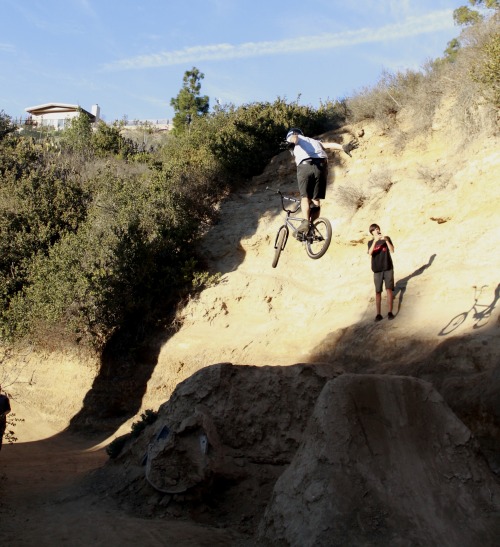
column 285, row 145
column 352, row 145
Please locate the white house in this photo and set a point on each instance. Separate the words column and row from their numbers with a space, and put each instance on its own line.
column 57, row 114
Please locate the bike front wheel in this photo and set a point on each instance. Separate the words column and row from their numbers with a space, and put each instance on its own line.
column 279, row 244
column 318, row 238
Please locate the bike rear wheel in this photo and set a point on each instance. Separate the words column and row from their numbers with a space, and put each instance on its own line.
column 279, row 244
column 318, row 238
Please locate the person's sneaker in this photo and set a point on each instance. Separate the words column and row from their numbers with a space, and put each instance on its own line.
column 378, row 317
column 304, row 227
column 390, row 315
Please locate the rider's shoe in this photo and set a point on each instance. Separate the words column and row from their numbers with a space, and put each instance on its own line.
column 304, row 227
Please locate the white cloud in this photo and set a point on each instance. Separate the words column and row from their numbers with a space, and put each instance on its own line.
column 7, row 47
column 412, row 26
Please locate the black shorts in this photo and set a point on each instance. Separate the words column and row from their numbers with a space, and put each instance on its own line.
column 312, row 178
column 386, row 277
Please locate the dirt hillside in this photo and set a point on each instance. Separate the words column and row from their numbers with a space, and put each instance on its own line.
column 438, row 199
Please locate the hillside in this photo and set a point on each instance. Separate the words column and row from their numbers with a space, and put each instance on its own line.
column 438, row 199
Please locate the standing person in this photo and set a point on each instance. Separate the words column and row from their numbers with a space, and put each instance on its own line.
column 312, row 171
column 380, row 249
column 4, row 410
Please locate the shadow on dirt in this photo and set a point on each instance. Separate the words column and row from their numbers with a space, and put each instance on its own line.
column 480, row 312
column 401, row 285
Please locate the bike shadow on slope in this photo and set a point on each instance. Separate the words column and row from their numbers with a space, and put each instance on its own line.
column 481, row 312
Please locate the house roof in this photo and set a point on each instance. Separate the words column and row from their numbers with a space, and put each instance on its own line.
column 50, row 108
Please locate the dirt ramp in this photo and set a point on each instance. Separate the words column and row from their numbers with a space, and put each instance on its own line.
column 383, row 461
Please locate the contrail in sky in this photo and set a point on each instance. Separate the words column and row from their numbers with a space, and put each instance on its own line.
column 413, row 26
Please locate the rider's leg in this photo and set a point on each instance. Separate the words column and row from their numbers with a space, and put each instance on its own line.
column 304, row 205
column 315, row 209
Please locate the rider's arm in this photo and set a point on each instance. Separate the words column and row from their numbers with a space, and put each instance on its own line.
column 331, row 146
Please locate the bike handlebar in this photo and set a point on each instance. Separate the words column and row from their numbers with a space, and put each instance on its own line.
column 289, row 198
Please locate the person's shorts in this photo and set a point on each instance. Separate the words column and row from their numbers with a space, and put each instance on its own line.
column 312, row 178
column 386, row 277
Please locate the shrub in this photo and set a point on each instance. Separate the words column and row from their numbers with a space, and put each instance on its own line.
column 382, row 102
column 115, row 447
column 437, row 179
column 148, row 417
column 351, row 196
column 487, row 70
column 381, row 178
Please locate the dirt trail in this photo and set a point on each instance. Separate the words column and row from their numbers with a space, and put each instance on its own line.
column 45, row 502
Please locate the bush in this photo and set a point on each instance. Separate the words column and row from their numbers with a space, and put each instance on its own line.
column 382, row 178
column 352, row 197
column 487, row 70
column 383, row 102
column 147, row 418
column 115, row 447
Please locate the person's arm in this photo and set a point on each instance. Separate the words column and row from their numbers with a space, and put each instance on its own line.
column 347, row 148
column 371, row 246
column 331, row 146
column 389, row 243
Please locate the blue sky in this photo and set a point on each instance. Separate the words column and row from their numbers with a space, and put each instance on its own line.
column 130, row 57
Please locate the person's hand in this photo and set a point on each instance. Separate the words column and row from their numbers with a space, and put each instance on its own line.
column 351, row 145
column 285, row 145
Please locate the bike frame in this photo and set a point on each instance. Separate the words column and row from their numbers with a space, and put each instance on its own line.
column 314, row 235
column 289, row 219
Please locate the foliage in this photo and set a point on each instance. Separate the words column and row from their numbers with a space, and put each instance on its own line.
column 404, row 104
column 351, row 197
column 389, row 96
column 77, row 135
column 6, row 125
column 116, row 446
column 148, row 417
column 487, row 70
column 244, row 139
column 466, row 16
column 189, row 104
column 107, row 139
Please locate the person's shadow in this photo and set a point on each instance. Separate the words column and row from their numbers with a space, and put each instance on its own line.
column 401, row 285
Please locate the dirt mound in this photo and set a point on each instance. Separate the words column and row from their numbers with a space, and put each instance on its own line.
column 384, row 461
column 317, row 457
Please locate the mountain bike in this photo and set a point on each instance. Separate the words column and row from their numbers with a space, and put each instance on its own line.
column 316, row 240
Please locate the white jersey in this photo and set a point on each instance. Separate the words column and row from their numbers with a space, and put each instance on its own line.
column 308, row 148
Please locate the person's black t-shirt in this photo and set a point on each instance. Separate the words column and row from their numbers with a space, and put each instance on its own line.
column 381, row 256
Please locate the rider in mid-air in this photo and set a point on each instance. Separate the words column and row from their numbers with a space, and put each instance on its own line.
column 312, row 171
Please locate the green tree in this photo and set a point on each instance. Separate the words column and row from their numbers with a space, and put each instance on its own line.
column 465, row 16
column 78, row 134
column 189, row 104
column 6, row 125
